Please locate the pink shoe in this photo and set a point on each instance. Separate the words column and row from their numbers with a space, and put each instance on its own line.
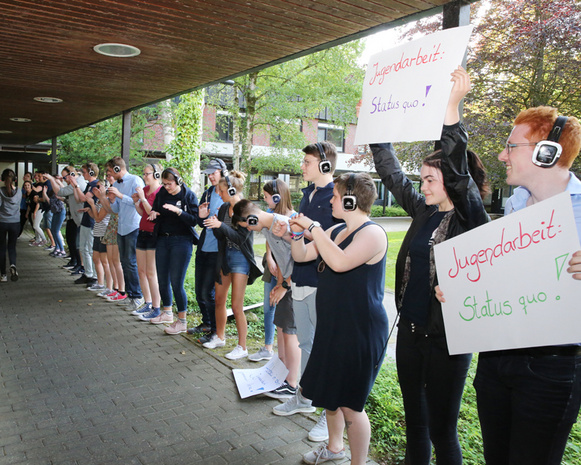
column 162, row 318
column 118, row 297
column 176, row 328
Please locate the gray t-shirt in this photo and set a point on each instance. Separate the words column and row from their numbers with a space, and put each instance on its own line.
column 10, row 206
column 280, row 248
column 68, row 191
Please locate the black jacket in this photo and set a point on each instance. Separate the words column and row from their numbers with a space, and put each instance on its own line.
column 468, row 207
column 240, row 236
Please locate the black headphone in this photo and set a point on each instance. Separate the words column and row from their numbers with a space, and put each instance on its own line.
column 275, row 195
column 175, row 174
column 548, row 151
column 252, row 220
column 324, row 165
column 90, row 170
column 156, row 174
column 349, row 200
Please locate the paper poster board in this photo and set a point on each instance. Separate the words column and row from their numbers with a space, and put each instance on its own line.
column 406, row 89
column 255, row 381
column 506, row 284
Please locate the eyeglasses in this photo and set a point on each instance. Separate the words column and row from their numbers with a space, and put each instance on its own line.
column 147, row 174
column 509, row 147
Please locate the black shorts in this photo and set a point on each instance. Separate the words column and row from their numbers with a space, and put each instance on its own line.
column 146, row 240
column 98, row 245
column 284, row 317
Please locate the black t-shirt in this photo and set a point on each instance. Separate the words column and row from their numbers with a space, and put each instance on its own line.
column 169, row 222
column 416, row 300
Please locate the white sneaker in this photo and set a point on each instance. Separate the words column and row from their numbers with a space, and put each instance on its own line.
column 237, row 353
column 214, row 342
column 319, row 432
column 262, row 354
column 296, row 404
column 322, row 454
column 3, row 279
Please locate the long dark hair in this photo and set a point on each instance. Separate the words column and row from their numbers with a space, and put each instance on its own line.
column 475, row 168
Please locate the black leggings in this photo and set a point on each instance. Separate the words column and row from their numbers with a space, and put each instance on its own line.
column 72, row 238
column 432, row 383
column 8, row 231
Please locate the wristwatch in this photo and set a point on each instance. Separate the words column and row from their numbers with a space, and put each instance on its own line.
column 285, row 284
column 314, row 224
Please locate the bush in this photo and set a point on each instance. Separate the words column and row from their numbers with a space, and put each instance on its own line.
column 377, row 211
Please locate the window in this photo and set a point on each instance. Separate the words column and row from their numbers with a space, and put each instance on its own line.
column 224, row 128
column 332, row 134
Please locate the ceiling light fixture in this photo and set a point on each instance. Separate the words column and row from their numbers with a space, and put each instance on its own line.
column 21, row 120
column 117, row 50
column 48, row 99
column 5, row 131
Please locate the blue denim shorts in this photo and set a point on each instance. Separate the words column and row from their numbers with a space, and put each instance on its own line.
column 236, row 261
column 146, row 240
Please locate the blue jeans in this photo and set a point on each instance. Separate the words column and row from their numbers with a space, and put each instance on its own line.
column 55, row 229
column 269, row 312
column 205, row 288
column 172, row 257
column 432, row 383
column 127, row 246
column 526, row 406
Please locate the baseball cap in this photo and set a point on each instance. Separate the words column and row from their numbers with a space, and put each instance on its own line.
column 213, row 166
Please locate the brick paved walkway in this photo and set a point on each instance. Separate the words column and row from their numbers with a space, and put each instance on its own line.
column 84, row 383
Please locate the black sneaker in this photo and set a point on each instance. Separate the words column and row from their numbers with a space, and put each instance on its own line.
column 13, row 273
column 78, row 270
column 201, row 328
column 91, row 281
column 70, row 265
column 284, row 391
column 82, row 280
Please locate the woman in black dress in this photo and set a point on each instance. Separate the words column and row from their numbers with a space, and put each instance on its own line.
column 352, row 328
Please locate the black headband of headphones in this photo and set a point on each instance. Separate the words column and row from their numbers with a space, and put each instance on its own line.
column 555, row 133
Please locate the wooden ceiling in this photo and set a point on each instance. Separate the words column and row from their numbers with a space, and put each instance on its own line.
column 46, row 50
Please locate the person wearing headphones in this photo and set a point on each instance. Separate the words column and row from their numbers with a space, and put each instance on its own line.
column 175, row 214
column 10, row 197
column 351, row 278
column 431, row 380
column 528, row 399
column 123, row 188
column 235, row 264
column 146, row 241
column 207, row 254
column 318, row 167
column 90, row 171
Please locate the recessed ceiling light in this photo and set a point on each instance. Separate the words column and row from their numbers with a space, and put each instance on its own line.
column 48, row 99
column 117, row 50
column 4, row 131
column 21, row 120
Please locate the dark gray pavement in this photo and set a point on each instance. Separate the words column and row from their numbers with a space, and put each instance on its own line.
column 82, row 382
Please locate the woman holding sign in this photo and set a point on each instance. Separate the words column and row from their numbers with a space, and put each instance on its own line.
column 432, row 381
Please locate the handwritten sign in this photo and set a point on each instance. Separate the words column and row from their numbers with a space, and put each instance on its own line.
column 406, row 89
column 255, row 381
column 506, row 284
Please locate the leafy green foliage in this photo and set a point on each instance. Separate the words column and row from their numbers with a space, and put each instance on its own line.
column 279, row 99
column 102, row 141
column 185, row 148
column 377, row 211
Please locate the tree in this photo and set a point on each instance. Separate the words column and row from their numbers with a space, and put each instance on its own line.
column 184, row 150
column 279, row 99
column 102, row 141
column 523, row 53
column 526, row 53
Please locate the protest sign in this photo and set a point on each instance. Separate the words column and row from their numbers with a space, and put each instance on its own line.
column 406, row 89
column 506, row 284
column 255, row 381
